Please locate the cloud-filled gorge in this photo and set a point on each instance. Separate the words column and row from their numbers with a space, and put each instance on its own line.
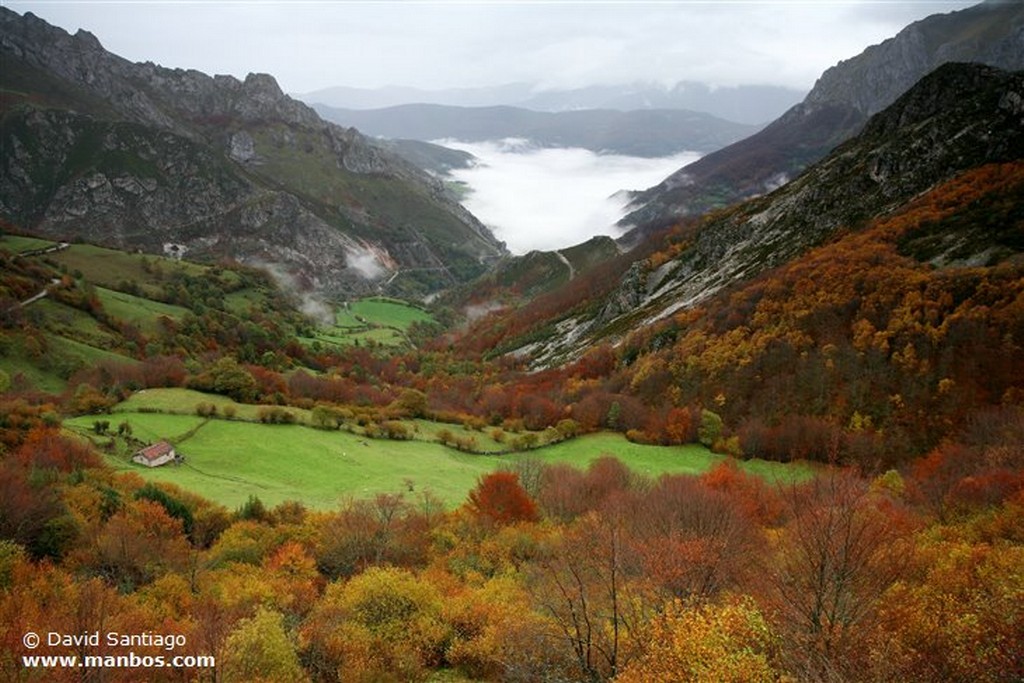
column 534, row 198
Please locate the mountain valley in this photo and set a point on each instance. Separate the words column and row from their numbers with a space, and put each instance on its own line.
column 266, row 384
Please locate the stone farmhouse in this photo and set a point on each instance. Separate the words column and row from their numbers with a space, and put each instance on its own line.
column 155, row 455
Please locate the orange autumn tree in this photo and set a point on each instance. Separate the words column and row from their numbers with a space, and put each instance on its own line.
column 500, row 498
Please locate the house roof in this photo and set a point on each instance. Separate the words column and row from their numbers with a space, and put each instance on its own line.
column 156, row 450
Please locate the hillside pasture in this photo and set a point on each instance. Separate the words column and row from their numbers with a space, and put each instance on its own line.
column 143, row 313
column 110, row 268
column 244, row 300
column 25, row 371
column 228, row 461
column 179, row 401
column 86, row 354
column 48, row 369
column 71, row 323
column 653, row 461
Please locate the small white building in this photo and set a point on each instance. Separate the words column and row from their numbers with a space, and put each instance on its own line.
column 154, row 455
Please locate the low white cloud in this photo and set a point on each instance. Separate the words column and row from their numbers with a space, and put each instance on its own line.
column 365, row 262
column 313, row 307
column 534, row 198
column 309, row 303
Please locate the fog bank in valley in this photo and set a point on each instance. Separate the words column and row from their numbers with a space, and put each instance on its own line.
column 547, row 199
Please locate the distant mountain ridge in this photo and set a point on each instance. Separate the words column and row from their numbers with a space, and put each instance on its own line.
column 836, row 108
column 137, row 156
column 747, row 104
column 646, row 133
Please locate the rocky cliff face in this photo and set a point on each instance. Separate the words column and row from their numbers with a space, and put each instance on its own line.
column 844, row 97
column 137, row 156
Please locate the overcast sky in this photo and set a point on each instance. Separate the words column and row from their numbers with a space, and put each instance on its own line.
column 308, row 45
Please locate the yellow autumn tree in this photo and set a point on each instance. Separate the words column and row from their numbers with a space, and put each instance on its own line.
column 710, row 643
column 259, row 650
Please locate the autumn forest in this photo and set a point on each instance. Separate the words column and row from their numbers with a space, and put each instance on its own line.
column 899, row 560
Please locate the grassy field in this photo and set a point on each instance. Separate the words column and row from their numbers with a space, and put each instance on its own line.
column 360, row 336
column 143, row 313
column 389, row 312
column 26, row 372
column 656, row 460
column 17, row 244
column 89, row 355
column 243, row 301
column 376, row 320
column 60, row 359
column 345, row 319
column 184, row 402
column 227, row 461
column 109, row 268
column 71, row 323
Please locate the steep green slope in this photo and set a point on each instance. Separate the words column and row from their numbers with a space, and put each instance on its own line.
column 83, row 308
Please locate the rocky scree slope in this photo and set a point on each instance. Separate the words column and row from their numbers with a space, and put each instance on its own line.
column 137, row 156
column 960, row 117
column 837, row 107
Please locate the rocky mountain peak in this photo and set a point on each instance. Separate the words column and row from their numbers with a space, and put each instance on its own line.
column 990, row 33
column 262, row 85
column 87, row 40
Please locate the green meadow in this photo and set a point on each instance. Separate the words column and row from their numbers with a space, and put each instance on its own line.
column 376, row 320
column 83, row 353
column 17, row 244
column 229, row 460
column 389, row 312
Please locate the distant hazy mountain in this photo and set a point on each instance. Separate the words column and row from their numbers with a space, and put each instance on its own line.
column 344, row 97
column 750, row 104
column 842, row 100
column 646, row 133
